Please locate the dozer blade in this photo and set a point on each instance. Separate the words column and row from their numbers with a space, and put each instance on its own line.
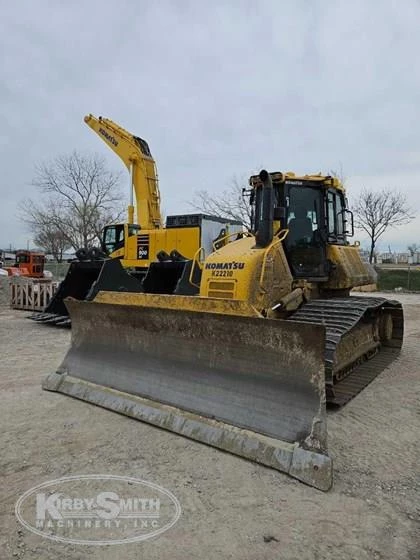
column 254, row 387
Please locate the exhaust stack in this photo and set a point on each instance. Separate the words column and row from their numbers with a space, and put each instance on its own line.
column 264, row 234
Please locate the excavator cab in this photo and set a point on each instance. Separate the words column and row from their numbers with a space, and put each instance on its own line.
column 114, row 237
column 30, row 263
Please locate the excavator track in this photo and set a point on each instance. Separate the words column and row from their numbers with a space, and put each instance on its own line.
column 341, row 317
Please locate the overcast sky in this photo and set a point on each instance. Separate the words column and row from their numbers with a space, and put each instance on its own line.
column 217, row 88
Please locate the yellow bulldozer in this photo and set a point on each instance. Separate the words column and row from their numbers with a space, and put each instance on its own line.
column 249, row 361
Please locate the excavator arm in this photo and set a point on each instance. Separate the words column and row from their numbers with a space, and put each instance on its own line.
column 135, row 153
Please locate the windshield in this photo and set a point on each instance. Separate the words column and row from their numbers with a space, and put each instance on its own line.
column 305, row 242
column 113, row 237
column 22, row 258
column 303, row 215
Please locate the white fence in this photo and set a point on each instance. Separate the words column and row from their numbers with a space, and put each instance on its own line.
column 31, row 294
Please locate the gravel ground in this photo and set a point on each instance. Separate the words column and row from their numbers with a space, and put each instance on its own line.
column 4, row 290
column 231, row 508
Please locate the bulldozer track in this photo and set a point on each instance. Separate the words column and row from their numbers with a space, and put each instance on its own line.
column 339, row 316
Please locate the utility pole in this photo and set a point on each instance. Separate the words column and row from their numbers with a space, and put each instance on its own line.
column 410, row 262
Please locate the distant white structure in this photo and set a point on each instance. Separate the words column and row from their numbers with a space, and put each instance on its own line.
column 391, row 258
column 416, row 258
column 8, row 255
column 398, row 258
column 365, row 253
column 66, row 257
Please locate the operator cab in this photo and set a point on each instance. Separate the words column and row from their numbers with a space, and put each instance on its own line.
column 31, row 261
column 113, row 236
column 314, row 210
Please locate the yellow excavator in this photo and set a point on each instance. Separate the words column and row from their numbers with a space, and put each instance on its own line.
column 249, row 363
column 142, row 240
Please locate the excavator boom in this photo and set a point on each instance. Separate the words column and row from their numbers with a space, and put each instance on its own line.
column 136, row 156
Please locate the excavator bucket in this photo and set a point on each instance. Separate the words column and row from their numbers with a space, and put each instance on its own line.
column 84, row 280
column 76, row 284
column 205, row 369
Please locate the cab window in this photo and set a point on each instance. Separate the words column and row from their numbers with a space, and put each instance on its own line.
column 23, row 259
column 305, row 241
column 331, row 213
column 303, row 205
column 335, row 214
column 113, row 238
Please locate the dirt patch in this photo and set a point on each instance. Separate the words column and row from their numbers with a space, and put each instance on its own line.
column 231, row 508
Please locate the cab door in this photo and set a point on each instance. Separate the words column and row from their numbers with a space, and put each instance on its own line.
column 305, row 243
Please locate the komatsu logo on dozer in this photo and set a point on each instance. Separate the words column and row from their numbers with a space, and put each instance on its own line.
column 225, row 265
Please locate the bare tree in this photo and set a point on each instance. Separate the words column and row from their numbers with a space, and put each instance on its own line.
column 229, row 204
column 79, row 196
column 41, row 219
column 52, row 242
column 413, row 249
column 375, row 212
column 46, row 235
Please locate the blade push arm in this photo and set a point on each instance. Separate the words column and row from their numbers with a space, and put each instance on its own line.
column 135, row 153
